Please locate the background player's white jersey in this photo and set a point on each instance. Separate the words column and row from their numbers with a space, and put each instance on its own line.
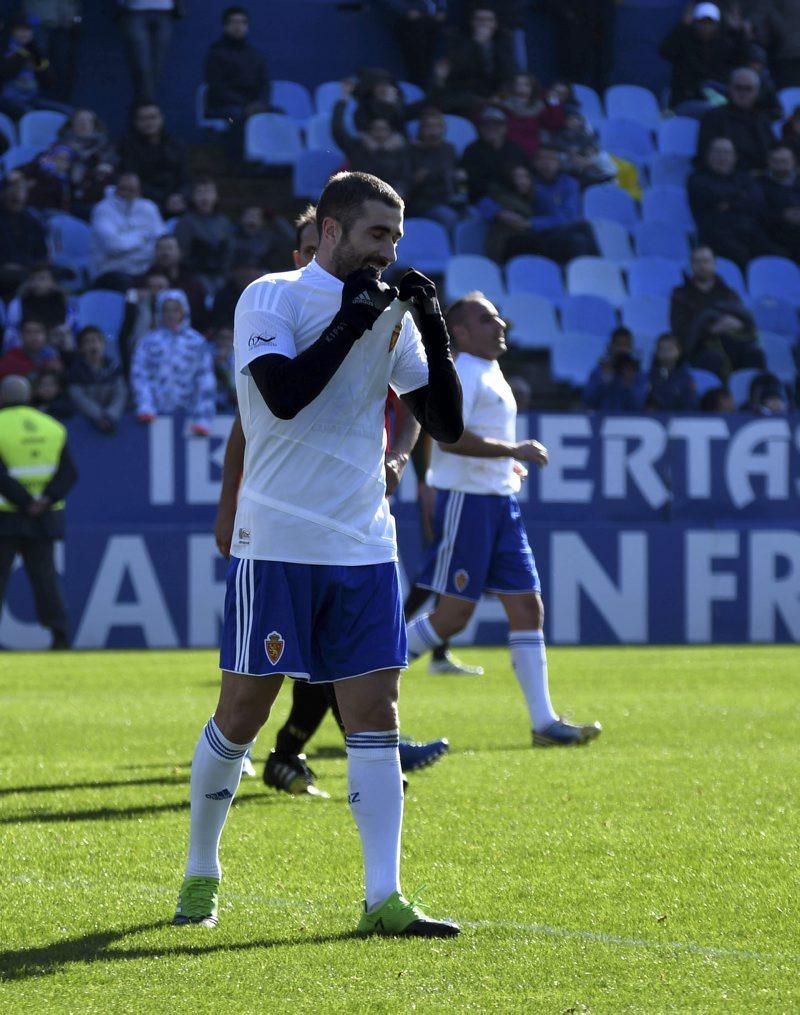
column 489, row 411
column 313, row 489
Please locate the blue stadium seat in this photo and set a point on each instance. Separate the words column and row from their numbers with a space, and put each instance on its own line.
column 69, row 244
column 202, row 119
column 40, row 128
column 466, row 272
column 647, row 316
column 327, row 95
column 425, row 246
column 654, row 276
column 790, row 99
column 319, row 135
column 608, row 201
column 459, row 131
column 780, row 360
column 469, row 236
column 531, row 319
column 19, row 155
column 293, row 98
column 668, row 204
column 774, row 276
column 411, row 92
column 591, row 105
column 105, row 309
column 532, row 273
column 670, row 170
column 632, row 102
column 574, row 356
column 588, row 313
column 596, row 277
column 628, row 139
column 739, row 384
column 311, row 171
column 776, row 315
column 731, row 274
column 704, row 380
column 661, row 239
column 272, row 139
column 613, row 240
column 8, row 130
column 678, row 136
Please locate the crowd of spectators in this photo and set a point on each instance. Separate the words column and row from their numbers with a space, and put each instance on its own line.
column 162, row 238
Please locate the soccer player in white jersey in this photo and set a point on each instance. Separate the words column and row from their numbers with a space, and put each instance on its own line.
column 480, row 544
column 313, row 590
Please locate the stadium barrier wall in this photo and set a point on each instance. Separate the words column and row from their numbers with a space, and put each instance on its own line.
column 646, row 530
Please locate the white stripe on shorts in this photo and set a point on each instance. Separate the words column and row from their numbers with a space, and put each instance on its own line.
column 444, row 556
column 250, row 579
column 238, row 606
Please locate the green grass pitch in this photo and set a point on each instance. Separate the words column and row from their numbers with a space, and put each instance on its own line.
column 653, row 871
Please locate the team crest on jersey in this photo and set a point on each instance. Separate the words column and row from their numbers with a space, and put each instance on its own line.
column 274, row 644
column 395, row 335
column 460, row 579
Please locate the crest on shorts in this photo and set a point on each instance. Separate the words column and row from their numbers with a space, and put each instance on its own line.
column 461, row 579
column 395, row 335
column 274, row 644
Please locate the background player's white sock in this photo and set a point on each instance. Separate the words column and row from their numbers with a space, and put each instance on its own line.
column 529, row 658
column 216, row 771
column 421, row 637
column 375, row 794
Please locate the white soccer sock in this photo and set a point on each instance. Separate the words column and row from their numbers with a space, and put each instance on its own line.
column 529, row 658
column 421, row 637
column 216, row 771
column 375, row 795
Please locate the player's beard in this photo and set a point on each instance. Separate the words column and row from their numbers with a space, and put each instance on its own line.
column 345, row 259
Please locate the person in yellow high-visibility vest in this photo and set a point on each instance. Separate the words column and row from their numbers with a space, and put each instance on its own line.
column 36, row 473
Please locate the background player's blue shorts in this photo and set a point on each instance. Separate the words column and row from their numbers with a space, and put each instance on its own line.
column 319, row 622
column 479, row 545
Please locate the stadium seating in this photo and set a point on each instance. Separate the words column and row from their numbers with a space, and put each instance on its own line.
column 202, row 119
column 654, row 276
column 8, row 129
column 647, row 316
column 531, row 319
column 670, row 170
column 608, row 201
column 627, row 139
column 69, row 244
column 739, row 384
column 776, row 315
column 632, row 102
column 789, row 99
column 661, row 239
column 272, row 139
column 668, row 204
column 613, row 240
column 319, row 135
column 591, row 104
column 704, row 380
column 425, row 246
column 466, row 272
column 678, row 136
column 779, row 356
column 588, row 313
column 774, row 276
column 535, row 274
column 326, row 96
column 105, row 309
column 574, row 356
column 731, row 274
column 469, row 236
column 40, row 128
column 598, row 277
column 311, row 171
column 411, row 92
column 293, row 98
column 19, row 155
column 459, row 131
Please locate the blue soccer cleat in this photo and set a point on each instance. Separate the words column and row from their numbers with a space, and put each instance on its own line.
column 566, row 734
column 414, row 755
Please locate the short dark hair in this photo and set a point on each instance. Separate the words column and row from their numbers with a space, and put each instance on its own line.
column 88, row 329
column 231, row 12
column 306, row 217
column 346, row 193
column 454, row 315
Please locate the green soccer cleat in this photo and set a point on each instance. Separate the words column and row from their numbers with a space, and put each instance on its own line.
column 197, row 902
column 401, row 918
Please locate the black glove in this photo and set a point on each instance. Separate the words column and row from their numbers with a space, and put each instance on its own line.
column 364, row 299
column 416, row 288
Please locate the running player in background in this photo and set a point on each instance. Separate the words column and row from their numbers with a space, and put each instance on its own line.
column 313, row 589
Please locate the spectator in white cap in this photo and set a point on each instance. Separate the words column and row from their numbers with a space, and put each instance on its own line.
column 703, row 49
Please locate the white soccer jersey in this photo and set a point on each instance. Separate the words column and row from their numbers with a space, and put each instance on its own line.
column 489, row 411
column 313, row 490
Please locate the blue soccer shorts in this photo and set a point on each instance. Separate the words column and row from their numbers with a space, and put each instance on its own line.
column 479, row 545
column 316, row 622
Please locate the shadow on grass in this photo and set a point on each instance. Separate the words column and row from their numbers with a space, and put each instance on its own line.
column 57, row 787
column 26, row 963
